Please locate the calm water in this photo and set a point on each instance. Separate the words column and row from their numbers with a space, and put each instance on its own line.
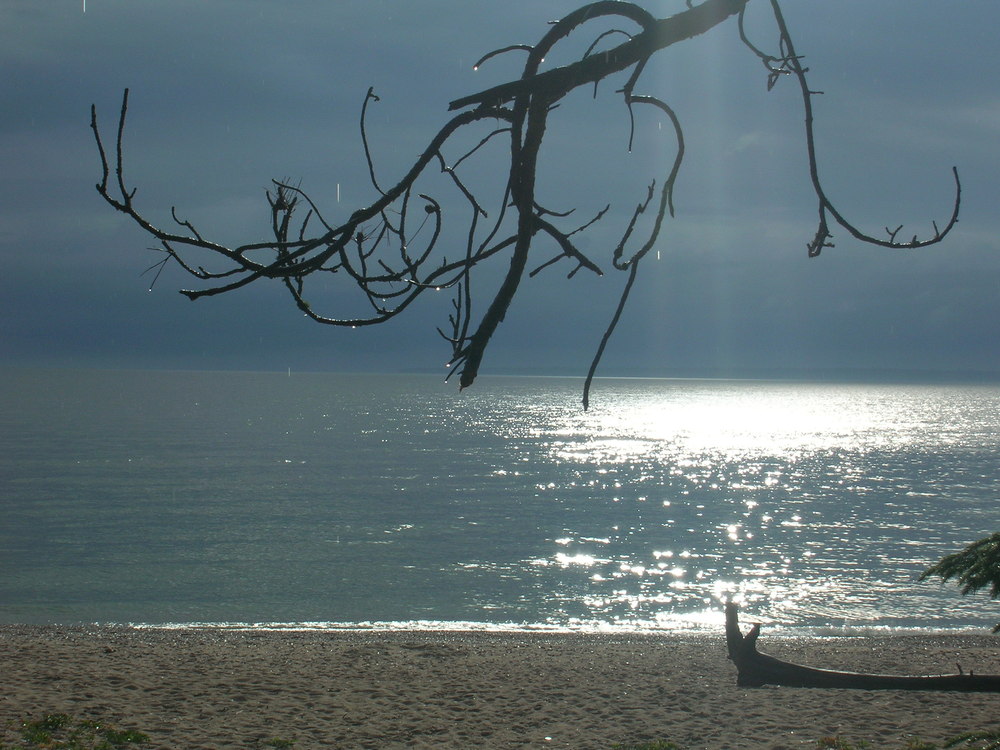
column 269, row 498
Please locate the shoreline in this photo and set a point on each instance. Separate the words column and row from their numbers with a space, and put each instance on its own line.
column 773, row 630
column 227, row 688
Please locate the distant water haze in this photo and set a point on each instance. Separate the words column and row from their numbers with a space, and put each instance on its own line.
column 326, row 500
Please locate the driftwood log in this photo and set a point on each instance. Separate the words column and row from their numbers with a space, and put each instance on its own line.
column 756, row 669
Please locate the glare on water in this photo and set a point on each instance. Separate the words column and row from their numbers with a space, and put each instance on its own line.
column 808, row 503
column 392, row 499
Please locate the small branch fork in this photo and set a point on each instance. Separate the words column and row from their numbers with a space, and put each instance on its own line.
column 788, row 62
column 387, row 249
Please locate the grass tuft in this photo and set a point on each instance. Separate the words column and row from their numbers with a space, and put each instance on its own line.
column 839, row 743
column 61, row 732
column 987, row 739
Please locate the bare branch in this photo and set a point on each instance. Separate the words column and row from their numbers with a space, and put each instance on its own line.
column 792, row 62
column 393, row 250
column 633, row 271
column 501, row 51
column 661, row 33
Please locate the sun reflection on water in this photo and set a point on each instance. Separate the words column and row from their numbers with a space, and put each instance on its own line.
column 736, row 421
column 681, row 495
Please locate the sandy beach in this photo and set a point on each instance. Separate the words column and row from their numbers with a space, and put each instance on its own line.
column 241, row 689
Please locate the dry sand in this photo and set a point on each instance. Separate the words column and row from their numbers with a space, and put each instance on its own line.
column 238, row 689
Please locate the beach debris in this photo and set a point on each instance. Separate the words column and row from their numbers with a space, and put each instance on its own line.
column 755, row 669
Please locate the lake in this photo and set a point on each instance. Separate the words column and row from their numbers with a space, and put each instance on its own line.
column 395, row 501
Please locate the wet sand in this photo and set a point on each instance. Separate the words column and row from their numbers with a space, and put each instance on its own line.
column 241, row 689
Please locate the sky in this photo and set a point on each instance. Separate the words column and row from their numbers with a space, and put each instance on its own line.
column 227, row 94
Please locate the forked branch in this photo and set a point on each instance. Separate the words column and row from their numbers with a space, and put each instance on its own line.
column 389, row 249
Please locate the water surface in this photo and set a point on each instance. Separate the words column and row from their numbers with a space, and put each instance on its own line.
column 180, row 497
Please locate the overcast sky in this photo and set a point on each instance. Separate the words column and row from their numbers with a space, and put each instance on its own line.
column 227, row 94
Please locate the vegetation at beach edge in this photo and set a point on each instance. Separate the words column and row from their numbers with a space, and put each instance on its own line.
column 62, row 732
column 59, row 731
column 988, row 739
column 974, row 568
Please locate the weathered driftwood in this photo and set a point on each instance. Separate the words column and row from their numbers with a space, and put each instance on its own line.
column 756, row 669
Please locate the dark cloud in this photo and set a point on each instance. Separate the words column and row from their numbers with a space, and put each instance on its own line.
column 227, row 95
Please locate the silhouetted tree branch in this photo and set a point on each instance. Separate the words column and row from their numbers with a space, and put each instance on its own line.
column 388, row 249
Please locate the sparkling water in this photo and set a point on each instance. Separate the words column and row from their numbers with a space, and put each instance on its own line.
column 331, row 500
